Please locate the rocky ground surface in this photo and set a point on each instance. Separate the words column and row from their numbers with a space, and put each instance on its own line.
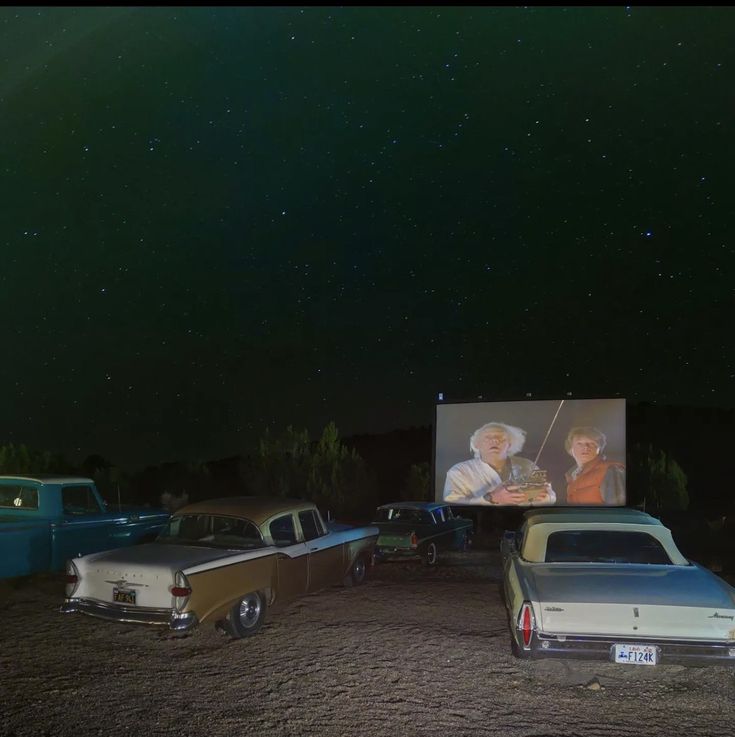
column 414, row 651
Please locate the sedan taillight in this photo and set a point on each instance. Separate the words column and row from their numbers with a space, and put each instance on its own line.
column 181, row 590
column 414, row 540
column 526, row 624
column 71, row 578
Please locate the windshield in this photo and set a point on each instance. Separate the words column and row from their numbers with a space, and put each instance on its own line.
column 211, row 531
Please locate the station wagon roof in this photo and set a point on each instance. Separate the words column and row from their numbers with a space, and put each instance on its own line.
column 256, row 509
column 430, row 506
column 47, row 478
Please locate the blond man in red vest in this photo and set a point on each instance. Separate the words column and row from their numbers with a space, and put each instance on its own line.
column 594, row 480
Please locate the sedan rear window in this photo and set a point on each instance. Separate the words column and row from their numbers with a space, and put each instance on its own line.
column 604, row 546
column 211, row 530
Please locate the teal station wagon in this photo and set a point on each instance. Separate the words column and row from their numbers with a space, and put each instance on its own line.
column 423, row 529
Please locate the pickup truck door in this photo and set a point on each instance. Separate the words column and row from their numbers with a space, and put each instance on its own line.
column 85, row 527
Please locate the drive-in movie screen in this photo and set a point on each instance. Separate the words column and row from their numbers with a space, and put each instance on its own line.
column 564, row 452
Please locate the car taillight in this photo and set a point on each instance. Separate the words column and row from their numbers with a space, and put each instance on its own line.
column 71, row 579
column 414, row 540
column 181, row 590
column 526, row 622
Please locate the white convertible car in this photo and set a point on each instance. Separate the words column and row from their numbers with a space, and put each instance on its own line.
column 611, row 583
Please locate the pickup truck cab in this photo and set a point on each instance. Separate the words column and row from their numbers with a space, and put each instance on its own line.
column 45, row 520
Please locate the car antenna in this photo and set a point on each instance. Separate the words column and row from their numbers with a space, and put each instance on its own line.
column 558, row 409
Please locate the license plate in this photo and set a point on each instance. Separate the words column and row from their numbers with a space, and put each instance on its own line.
column 635, row 654
column 123, row 597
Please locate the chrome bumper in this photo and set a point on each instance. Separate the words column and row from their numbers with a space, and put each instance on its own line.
column 678, row 652
column 137, row 615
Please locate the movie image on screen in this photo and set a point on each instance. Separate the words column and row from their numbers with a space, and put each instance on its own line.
column 564, row 452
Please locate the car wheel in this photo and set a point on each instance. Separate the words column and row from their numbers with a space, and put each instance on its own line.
column 247, row 615
column 358, row 572
column 431, row 555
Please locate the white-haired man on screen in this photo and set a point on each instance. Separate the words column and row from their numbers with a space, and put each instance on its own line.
column 494, row 475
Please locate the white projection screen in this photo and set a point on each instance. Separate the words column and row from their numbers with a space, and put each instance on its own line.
column 564, row 452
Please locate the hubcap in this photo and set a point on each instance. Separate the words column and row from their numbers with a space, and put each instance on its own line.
column 249, row 610
column 432, row 553
column 358, row 570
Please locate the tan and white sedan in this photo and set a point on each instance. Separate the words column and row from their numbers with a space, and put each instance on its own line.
column 223, row 560
column 611, row 583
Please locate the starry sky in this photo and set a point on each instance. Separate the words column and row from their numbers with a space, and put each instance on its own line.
column 217, row 220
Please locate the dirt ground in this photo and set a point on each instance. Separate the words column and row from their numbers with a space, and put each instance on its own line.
column 413, row 651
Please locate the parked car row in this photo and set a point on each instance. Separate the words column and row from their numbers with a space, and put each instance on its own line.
column 583, row 582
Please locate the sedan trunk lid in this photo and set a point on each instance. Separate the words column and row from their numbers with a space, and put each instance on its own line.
column 639, row 601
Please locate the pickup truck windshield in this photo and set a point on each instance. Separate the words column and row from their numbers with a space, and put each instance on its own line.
column 604, row 546
column 211, row 531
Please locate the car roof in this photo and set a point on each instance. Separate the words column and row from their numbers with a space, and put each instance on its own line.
column 430, row 506
column 541, row 523
column 256, row 509
column 592, row 515
column 47, row 478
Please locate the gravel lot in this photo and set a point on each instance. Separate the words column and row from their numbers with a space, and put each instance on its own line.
column 414, row 651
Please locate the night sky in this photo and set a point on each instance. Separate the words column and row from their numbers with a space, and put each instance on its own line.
column 218, row 220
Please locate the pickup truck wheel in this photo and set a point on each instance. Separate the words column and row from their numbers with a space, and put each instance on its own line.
column 247, row 615
column 358, row 572
column 431, row 555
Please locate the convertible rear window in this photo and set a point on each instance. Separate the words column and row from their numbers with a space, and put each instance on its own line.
column 604, row 546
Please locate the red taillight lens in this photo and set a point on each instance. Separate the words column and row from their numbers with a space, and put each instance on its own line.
column 70, row 578
column 526, row 622
column 414, row 540
column 180, row 591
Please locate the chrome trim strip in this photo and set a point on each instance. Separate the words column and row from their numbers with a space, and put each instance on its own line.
column 134, row 615
column 689, row 652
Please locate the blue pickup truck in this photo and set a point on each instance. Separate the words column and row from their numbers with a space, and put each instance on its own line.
column 45, row 520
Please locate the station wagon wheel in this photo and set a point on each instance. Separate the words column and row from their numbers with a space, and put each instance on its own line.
column 357, row 573
column 247, row 615
column 431, row 555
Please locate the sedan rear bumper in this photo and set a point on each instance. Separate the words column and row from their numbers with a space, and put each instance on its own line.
column 137, row 615
column 678, row 652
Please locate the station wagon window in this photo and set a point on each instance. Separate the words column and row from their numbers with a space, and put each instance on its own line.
column 19, row 497
column 283, row 531
column 310, row 524
column 79, row 500
column 604, row 546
